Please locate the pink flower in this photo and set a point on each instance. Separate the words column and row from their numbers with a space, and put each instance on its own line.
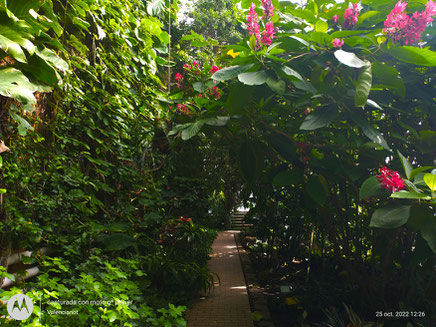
column 335, row 20
column 408, row 29
column 390, row 180
column 195, row 63
column 337, row 43
column 186, row 66
column 350, row 17
column 200, row 95
column 268, row 9
column 214, row 69
column 252, row 23
column 268, row 33
column 179, row 77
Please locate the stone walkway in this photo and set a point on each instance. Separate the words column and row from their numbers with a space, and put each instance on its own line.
column 227, row 304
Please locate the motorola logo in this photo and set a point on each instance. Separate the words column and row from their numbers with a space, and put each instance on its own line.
column 20, row 307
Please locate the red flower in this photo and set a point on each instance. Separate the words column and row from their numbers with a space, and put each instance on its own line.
column 214, row 69
column 179, row 77
column 335, row 20
column 268, row 9
column 195, row 64
column 186, row 67
column 390, row 180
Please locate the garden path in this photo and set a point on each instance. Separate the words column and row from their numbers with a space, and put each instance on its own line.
column 227, row 304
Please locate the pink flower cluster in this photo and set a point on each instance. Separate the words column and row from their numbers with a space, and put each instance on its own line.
column 253, row 23
column 350, row 17
column 182, row 108
column 408, row 29
column 268, row 9
column 253, row 26
column 390, row 180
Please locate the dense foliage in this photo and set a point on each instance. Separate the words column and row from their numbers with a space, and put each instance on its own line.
column 88, row 171
column 314, row 101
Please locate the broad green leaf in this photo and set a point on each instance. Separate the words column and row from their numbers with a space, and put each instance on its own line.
column 406, row 165
column 349, row 59
column 374, row 104
column 288, row 177
column 430, row 181
column 373, row 134
column 364, row 84
column 13, row 49
column 14, row 84
column 293, row 75
column 371, row 187
column 321, row 38
column 428, row 232
column 252, row 42
column 392, row 216
column 278, row 86
column 321, row 26
column 41, row 70
column 389, row 76
column 368, row 14
column 418, row 170
column 320, row 118
column 414, row 55
column 217, row 121
column 199, row 87
column 192, row 130
column 53, row 59
column 253, row 78
column 239, row 95
column 230, row 72
column 409, row 195
column 23, row 125
column 315, row 190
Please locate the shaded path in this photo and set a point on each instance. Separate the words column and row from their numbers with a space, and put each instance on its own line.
column 227, row 304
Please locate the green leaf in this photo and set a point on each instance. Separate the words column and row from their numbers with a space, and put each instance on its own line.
column 217, row 121
column 371, row 187
column 370, row 131
column 292, row 74
column 418, row 170
column 430, row 181
column 320, row 118
column 192, row 130
column 239, row 95
column 288, row 177
column 253, row 78
column 283, row 146
column 414, row 55
column 428, row 232
column 368, row 14
column 23, row 125
column 392, row 216
column 13, row 49
column 230, row 72
column 278, row 86
column 14, row 84
column 53, row 59
column 199, row 87
column 364, row 84
column 349, row 59
column 389, row 76
column 117, row 241
column 252, row 42
column 321, row 26
column 406, row 165
column 409, row 195
column 316, row 190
